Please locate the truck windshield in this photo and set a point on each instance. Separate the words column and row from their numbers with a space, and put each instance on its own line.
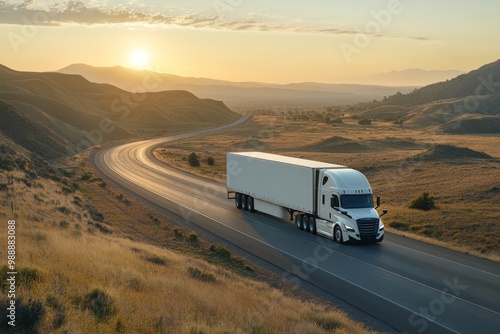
column 356, row 201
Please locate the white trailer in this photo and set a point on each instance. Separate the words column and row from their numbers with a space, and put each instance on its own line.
column 327, row 199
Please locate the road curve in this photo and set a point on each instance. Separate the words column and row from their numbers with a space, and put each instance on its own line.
column 412, row 286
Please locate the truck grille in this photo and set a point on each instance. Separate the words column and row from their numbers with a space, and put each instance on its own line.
column 368, row 227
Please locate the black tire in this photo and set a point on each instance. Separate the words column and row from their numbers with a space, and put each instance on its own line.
column 298, row 222
column 244, row 202
column 305, row 222
column 337, row 235
column 250, row 205
column 237, row 200
column 312, row 225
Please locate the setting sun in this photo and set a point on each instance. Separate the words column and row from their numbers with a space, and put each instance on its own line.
column 139, row 58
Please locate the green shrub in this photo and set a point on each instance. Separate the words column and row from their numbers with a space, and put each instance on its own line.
column 201, row 275
column 424, row 201
column 155, row 260
column 194, row 160
column 100, row 304
column 365, row 121
column 400, row 226
column 193, row 237
column 64, row 210
column 178, row 233
column 210, row 161
column 221, row 250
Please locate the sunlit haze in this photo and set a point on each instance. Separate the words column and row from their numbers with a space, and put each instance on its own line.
column 267, row 41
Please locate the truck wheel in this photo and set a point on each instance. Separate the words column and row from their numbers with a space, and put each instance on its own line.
column 237, row 200
column 305, row 222
column 244, row 203
column 312, row 225
column 298, row 222
column 250, row 205
column 337, row 234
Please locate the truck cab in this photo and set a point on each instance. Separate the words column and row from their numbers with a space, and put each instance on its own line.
column 346, row 210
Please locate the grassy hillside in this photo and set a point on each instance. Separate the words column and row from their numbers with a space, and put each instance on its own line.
column 91, row 260
column 77, row 114
column 30, row 134
column 465, row 104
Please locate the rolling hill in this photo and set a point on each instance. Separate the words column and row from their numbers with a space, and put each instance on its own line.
column 236, row 94
column 469, row 103
column 55, row 114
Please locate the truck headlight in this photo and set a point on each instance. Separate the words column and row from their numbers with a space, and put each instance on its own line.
column 381, row 226
column 348, row 228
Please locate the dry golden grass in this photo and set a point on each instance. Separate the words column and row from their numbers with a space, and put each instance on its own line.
column 150, row 289
column 467, row 190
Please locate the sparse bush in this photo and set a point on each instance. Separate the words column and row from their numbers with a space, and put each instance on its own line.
column 103, row 228
column 63, row 224
column 210, row 161
column 155, row 260
column 194, row 160
column 178, row 233
column 400, row 226
column 119, row 326
column 64, row 210
column 100, row 304
column 424, row 201
column 193, row 237
column 201, row 275
column 220, row 250
column 59, row 318
column 86, row 176
column 27, row 277
column 365, row 121
column 124, row 199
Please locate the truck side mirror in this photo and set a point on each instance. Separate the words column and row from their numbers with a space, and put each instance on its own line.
column 383, row 213
column 378, row 202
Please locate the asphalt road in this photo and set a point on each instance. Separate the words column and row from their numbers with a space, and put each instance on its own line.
column 412, row 286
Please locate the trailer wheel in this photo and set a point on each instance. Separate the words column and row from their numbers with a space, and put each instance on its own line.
column 298, row 222
column 244, row 202
column 237, row 200
column 250, row 205
column 305, row 222
column 337, row 234
column 312, row 225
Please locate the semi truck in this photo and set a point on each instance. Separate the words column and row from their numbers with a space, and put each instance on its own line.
column 321, row 198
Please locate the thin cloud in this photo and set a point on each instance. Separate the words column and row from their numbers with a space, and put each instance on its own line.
column 77, row 12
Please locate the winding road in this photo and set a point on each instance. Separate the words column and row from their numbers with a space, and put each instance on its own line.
column 411, row 286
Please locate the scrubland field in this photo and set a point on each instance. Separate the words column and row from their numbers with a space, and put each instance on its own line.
column 462, row 172
column 92, row 260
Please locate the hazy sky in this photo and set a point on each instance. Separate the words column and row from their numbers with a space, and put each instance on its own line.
column 252, row 40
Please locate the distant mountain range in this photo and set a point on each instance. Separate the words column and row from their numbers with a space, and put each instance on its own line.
column 237, row 95
column 469, row 103
column 411, row 77
column 55, row 114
